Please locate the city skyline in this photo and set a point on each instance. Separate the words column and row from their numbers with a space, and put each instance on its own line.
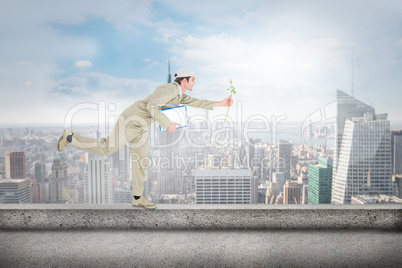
column 285, row 58
column 262, row 160
column 96, row 96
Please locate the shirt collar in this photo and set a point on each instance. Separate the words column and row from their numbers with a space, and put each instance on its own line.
column 179, row 90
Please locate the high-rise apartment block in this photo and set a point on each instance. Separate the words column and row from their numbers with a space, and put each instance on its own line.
column 320, row 181
column 15, row 165
column 363, row 151
column 225, row 186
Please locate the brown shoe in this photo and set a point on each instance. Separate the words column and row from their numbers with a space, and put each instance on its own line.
column 63, row 142
column 142, row 202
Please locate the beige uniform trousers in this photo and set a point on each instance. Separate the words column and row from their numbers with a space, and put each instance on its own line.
column 128, row 130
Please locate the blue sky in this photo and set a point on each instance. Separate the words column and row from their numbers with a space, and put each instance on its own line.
column 284, row 57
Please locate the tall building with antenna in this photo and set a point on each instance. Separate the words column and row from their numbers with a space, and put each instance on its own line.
column 170, row 179
column 352, row 85
column 169, row 79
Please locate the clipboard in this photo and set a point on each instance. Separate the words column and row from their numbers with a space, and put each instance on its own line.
column 176, row 114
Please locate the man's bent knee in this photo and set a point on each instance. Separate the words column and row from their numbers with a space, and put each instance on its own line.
column 105, row 148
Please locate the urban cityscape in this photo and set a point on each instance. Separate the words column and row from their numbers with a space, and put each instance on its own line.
column 301, row 168
column 356, row 159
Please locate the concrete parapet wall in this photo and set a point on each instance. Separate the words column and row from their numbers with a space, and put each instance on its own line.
column 49, row 235
column 200, row 217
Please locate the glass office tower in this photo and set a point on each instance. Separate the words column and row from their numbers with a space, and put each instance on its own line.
column 363, row 151
column 320, row 181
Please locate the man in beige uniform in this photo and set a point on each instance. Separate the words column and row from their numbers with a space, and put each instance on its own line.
column 133, row 124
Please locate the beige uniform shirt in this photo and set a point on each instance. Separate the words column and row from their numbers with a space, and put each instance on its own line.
column 164, row 96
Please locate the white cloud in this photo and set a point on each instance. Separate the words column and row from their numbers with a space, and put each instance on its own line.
column 152, row 62
column 270, row 77
column 168, row 30
column 399, row 43
column 83, row 64
column 276, row 63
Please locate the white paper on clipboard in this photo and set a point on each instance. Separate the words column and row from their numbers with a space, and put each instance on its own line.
column 176, row 114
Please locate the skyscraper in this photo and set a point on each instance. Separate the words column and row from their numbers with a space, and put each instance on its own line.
column 291, row 193
column 396, row 152
column 320, row 181
column 284, row 156
column 348, row 107
column 260, row 152
column 363, row 151
column 97, row 182
column 40, row 172
column 59, row 181
column 170, row 179
column 15, row 165
column 169, row 78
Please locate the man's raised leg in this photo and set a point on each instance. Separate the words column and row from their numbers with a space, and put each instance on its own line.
column 122, row 133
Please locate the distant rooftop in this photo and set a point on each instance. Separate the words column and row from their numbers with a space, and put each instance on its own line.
column 8, row 180
column 376, row 199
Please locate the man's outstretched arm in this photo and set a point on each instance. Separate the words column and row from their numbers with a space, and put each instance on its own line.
column 205, row 104
column 224, row 103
